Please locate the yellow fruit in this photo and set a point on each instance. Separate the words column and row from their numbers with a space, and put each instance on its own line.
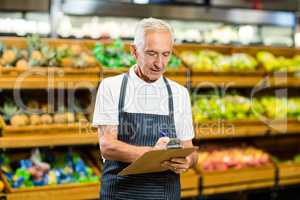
column 19, row 120
column 59, row 118
column 8, row 57
column 22, row 64
column 35, row 119
column 188, row 57
column 67, row 62
column 1, row 186
column 76, row 49
column 36, row 55
column 90, row 60
column 69, row 117
column 46, row 119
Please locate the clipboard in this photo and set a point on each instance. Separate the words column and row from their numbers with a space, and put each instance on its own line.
column 151, row 161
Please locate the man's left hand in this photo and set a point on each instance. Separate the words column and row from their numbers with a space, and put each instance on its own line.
column 177, row 165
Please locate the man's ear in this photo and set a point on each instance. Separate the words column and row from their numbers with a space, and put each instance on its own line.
column 133, row 51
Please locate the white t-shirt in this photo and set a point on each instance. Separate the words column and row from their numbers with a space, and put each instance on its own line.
column 143, row 97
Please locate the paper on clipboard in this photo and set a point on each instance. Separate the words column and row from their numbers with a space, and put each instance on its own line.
column 151, row 161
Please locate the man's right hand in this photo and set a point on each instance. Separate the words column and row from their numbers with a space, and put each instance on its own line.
column 161, row 143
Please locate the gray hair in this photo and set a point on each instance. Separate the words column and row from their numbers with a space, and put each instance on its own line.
column 150, row 24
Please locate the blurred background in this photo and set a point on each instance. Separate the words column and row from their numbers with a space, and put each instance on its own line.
column 239, row 59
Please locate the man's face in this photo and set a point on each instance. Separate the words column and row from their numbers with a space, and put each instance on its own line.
column 155, row 55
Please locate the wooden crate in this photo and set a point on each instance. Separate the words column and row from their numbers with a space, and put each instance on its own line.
column 78, row 127
column 189, row 184
column 237, row 179
column 52, row 77
column 289, row 173
column 48, row 77
column 75, row 193
column 235, row 128
column 290, row 126
column 51, row 188
column 237, row 188
column 237, row 176
column 224, row 49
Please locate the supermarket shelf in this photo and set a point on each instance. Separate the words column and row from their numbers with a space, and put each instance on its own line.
column 179, row 76
column 82, row 81
column 236, row 188
column 189, row 193
column 189, row 184
column 233, row 180
column 289, row 173
column 75, row 193
column 224, row 129
column 244, row 128
column 200, row 80
column 51, row 78
column 290, row 127
column 80, row 127
column 83, row 192
column 289, row 181
column 51, row 139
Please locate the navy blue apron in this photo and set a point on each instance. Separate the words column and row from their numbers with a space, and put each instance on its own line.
column 140, row 129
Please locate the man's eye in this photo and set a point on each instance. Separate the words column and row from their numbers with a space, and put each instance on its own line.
column 166, row 54
column 151, row 53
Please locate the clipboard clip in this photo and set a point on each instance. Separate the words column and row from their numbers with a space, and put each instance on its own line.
column 174, row 143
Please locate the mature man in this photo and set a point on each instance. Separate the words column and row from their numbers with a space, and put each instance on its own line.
column 130, row 112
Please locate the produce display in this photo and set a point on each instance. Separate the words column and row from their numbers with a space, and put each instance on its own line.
column 40, row 54
column 280, row 63
column 114, row 55
column 209, row 60
column 237, row 107
column 37, row 113
column 46, row 168
column 216, row 158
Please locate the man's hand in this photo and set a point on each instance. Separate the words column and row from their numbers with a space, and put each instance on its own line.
column 161, row 143
column 178, row 165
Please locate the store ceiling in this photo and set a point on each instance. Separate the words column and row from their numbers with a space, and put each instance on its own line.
column 25, row 5
column 282, row 5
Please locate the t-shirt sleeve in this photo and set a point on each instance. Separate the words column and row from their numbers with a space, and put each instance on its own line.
column 185, row 124
column 106, row 106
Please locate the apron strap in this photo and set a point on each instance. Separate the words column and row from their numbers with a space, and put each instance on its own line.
column 122, row 94
column 171, row 107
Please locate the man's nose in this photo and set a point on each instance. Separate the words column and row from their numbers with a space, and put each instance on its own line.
column 159, row 61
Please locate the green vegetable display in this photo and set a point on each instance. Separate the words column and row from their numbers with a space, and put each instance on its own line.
column 236, row 107
column 114, row 55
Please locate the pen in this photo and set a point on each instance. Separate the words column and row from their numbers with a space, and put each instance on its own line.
column 162, row 134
